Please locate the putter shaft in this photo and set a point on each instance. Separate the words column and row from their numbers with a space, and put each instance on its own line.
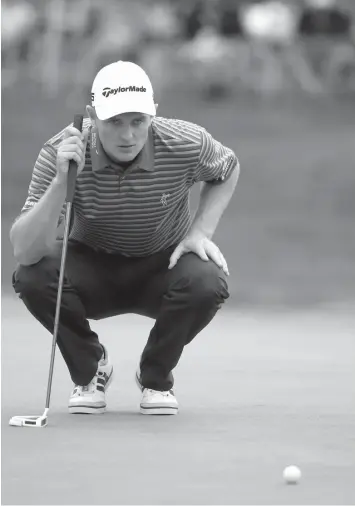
column 59, row 300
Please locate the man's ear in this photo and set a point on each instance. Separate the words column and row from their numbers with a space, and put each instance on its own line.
column 92, row 114
column 156, row 107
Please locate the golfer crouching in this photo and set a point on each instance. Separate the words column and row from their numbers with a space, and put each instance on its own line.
column 133, row 246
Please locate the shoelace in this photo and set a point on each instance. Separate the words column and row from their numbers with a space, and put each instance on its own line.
column 165, row 393
column 82, row 390
column 90, row 388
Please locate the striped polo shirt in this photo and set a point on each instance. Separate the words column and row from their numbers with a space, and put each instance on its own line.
column 143, row 209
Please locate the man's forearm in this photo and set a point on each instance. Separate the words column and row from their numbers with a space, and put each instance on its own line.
column 34, row 233
column 214, row 199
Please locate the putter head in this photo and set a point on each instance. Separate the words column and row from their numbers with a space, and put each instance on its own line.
column 29, row 421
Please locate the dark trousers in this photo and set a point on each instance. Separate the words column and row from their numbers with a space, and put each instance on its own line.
column 98, row 285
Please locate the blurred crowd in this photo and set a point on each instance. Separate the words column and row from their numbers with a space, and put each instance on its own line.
column 216, row 46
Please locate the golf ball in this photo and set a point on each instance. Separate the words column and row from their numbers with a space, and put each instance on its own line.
column 292, row 474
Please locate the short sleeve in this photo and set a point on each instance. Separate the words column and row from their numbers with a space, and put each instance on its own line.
column 216, row 162
column 43, row 174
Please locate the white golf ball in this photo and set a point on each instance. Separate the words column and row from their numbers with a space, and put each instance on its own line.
column 292, row 474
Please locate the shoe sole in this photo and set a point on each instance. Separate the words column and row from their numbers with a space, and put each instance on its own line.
column 91, row 409
column 87, row 410
column 158, row 410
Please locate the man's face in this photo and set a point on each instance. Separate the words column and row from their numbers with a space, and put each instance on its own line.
column 123, row 136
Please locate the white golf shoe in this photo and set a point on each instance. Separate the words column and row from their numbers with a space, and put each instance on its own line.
column 91, row 399
column 156, row 402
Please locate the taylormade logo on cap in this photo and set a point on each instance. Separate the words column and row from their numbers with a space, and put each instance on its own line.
column 112, row 91
column 122, row 87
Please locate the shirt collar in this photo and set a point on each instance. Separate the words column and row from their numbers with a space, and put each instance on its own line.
column 101, row 161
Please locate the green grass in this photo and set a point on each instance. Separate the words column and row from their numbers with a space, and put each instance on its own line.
column 288, row 232
column 257, row 392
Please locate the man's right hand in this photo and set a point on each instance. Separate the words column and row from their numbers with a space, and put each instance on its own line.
column 72, row 147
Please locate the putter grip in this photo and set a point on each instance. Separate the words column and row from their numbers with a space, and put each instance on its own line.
column 72, row 171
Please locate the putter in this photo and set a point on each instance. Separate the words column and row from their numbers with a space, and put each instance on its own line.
column 41, row 421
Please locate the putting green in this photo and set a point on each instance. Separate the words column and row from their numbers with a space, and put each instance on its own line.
column 257, row 392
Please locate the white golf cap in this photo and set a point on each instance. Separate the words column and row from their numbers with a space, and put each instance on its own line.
column 122, row 87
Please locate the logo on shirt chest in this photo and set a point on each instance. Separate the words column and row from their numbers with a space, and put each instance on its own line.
column 164, row 199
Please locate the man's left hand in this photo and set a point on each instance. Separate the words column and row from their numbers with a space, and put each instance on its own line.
column 202, row 247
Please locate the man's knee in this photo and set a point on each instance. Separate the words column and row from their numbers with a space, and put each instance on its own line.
column 204, row 282
column 36, row 277
column 208, row 286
